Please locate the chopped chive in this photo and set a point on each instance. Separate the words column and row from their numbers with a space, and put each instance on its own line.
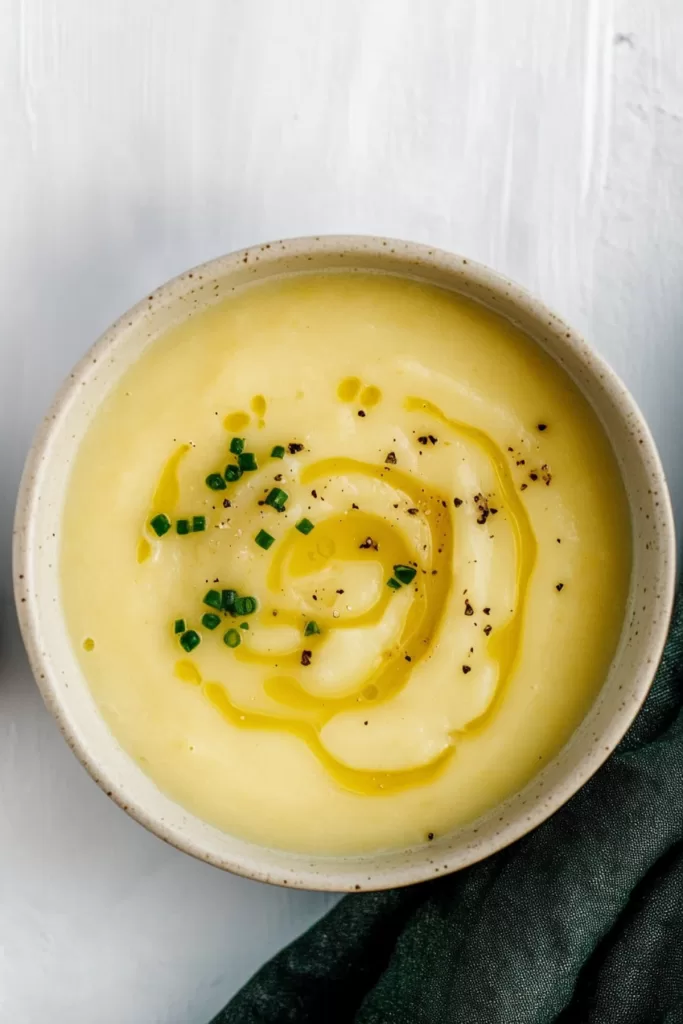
column 247, row 461
column 232, row 473
column 304, row 526
column 161, row 524
column 213, row 599
column 237, row 445
column 277, row 498
column 245, row 605
column 394, row 584
column 182, row 526
column 198, row 524
column 232, row 638
column 179, row 626
column 244, row 625
column 278, row 452
column 405, row 573
column 227, row 603
column 311, row 628
column 264, row 540
column 189, row 640
column 211, row 620
column 215, row 481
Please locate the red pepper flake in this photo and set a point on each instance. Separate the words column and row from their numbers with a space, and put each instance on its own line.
column 486, row 611
column 391, row 458
column 523, row 487
column 295, row 447
column 469, row 610
column 340, row 591
column 520, row 462
column 278, row 478
column 432, row 438
column 466, row 669
column 559, row 586
column 542, row 426
column 226, row 503
column 430, row 836
column 369, row 543
column 533, row 476
column 413, row 511
column 314, row 494
column 493, row 511
column 353, row 505
column 306, row 657
column 408, row 658
column 361, row 413
column 487, row 629
column 510, row 448
column 457, row 502
column 423, row 439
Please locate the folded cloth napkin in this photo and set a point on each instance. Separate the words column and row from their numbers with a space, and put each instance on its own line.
column 580, row 921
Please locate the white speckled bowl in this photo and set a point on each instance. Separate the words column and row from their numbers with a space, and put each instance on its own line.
column 64, row 688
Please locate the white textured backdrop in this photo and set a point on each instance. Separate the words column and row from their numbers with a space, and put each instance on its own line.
column 139, row 137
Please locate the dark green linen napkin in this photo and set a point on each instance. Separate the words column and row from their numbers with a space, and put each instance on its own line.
column 580, row 921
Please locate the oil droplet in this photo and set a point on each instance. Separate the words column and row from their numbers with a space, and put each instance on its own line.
column 348, row 389
column 258, row 405
column 236, row 420
column 370, row 396
column 88, row 644
column 188, row 672
column 144, row 549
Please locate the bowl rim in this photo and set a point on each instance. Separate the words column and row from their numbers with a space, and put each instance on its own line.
column 453, row 266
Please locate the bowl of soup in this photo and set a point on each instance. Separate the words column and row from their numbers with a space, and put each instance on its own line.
column 342, row 562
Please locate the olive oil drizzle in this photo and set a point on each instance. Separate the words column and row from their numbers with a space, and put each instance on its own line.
column 164, row 499
column 303, row 714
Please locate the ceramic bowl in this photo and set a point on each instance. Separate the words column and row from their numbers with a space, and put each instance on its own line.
column 61, row 681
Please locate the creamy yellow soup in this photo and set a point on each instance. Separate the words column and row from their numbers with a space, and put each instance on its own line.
column 345, row 559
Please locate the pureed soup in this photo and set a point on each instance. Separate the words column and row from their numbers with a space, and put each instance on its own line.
column 345, row 559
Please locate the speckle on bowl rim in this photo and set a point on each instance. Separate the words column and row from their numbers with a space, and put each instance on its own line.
column 65, row 691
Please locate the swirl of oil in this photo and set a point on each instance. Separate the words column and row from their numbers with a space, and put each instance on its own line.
column 304, row 715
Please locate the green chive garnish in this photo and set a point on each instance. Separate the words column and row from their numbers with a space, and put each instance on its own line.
column 278, row 452
column 190, row 640
column 198, row 524
column 182, row 526
column 210, row 620
column 237, row 445
column 277, row 498
column 215, row 481
column 247, row 461
column 264, row 540
column 405, row 573
column 244, row 625
column 232, row 473
column 179, row 626
column 232, row 638
column 311, row 628
column 245, row 605
column 304, row 526
column 213, row 599
column 161, row 524
column 394, row 584
column 227, row 600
